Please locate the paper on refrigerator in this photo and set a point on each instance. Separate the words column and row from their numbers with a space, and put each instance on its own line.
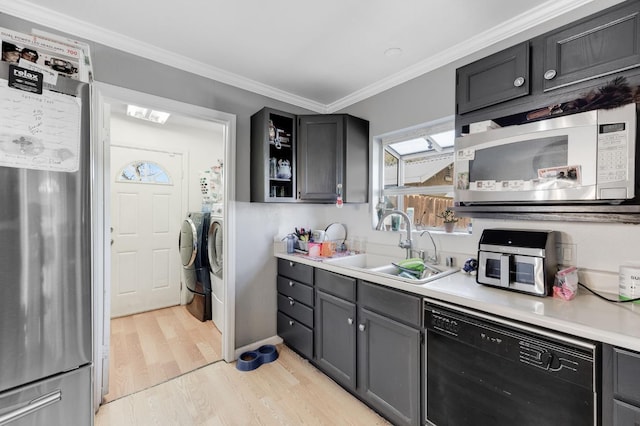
column 39, row 132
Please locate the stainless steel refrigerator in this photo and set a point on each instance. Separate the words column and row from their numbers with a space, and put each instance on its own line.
column 45, row 256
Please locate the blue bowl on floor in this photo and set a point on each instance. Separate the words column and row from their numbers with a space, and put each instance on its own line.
column 268, row 353
column 251, row 360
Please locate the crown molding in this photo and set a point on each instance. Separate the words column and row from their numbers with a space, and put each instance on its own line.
column 536, row 16
column 78, row 28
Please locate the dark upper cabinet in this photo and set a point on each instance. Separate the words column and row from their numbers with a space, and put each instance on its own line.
column 497, row 78
column 310, row 158
column 333, row 158
column 555, row 67
column 273, row 156
column 603, row 44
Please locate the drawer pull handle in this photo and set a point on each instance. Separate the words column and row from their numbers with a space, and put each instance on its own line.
column 349, row 321
column 291, row 323
column 291, row 264
column 361, row 327
column 290, row 283
column 291, row 301
column 550, row 74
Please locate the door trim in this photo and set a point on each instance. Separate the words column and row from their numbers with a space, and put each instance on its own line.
column 102, row 95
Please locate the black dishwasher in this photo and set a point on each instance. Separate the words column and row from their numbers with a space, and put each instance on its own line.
column 486, row 370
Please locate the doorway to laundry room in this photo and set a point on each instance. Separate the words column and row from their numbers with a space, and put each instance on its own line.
column 154, row 181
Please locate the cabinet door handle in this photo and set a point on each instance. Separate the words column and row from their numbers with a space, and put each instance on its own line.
column 291, row 301
column 518, row 81
column 361, row 327
column 291, row 264
column 291, row 323
column 550, row 74
column 290, row 283
column 349, row 321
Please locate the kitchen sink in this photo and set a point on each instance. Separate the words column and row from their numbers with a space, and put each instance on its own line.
column 431, row 272
column 381, row 265
column 360, row 261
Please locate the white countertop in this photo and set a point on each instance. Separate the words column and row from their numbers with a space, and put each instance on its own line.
column 585, row 316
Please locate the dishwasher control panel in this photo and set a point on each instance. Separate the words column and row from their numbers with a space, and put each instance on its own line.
column 514, row 342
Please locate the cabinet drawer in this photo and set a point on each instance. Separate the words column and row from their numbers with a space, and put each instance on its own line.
column 295, row 335
column 291, row 288
column 625, row 414
column 391, row 303
column 626, row 371
column 295, row 310
column 296, row 271
column 336, row 284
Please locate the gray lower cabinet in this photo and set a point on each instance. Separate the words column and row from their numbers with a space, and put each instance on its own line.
column 335, row 330
column 295, row 306
column 620, row 390
column 336, row 338
column 370, row 344
column 389, row 367
column 390, row 352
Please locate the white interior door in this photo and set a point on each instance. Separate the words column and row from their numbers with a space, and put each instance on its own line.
column 145, row 222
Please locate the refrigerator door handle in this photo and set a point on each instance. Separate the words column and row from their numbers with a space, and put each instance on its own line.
column 31, row 407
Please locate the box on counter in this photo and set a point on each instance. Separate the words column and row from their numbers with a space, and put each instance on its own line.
column 629, row 282
column 483, row 126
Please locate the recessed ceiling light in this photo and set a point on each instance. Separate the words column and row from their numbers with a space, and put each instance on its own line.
column 147, row 114
column 393, row 51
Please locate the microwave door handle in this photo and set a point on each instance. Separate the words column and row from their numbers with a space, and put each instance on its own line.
column 505, row 270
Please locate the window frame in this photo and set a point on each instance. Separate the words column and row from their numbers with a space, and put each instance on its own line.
column 380, row 142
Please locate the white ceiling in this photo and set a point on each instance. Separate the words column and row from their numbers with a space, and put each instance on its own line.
column 319, row 55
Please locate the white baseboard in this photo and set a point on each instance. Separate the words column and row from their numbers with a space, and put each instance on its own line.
column 274, row 340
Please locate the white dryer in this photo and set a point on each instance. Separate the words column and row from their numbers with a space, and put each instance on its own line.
column 216, row 266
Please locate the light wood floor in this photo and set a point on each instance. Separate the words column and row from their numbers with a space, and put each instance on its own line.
column 153, row 347
column 287, row 391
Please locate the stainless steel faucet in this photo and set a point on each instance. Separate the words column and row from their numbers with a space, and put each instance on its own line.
column 407, row 243
column 431, row 259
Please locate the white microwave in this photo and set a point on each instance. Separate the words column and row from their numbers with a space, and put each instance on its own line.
column 588, row 157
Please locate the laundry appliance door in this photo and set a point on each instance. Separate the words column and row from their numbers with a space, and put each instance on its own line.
column 188, row 243
column 214, row 241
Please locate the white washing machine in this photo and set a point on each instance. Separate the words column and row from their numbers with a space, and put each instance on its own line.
column 215, row 253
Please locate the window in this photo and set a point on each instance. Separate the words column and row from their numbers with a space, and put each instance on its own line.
column 415, row 173
column 144, row 172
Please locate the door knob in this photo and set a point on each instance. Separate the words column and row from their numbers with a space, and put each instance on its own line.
column 349, row 321
column 361, row 327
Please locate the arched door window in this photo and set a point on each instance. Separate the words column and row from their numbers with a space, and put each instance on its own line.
column 144, row 172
